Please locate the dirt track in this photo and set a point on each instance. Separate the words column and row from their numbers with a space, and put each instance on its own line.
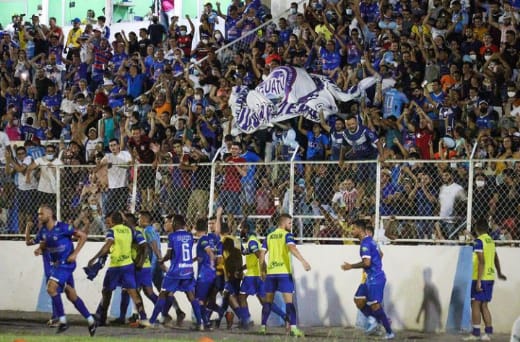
column 33, row 323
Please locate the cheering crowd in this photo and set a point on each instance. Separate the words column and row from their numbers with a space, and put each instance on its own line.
column 153, row 97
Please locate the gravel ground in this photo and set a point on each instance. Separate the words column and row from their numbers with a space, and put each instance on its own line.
column 33, row 323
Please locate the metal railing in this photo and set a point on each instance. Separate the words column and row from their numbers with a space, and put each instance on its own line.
column 406, row 200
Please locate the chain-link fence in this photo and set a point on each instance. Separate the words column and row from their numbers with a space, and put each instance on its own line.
column 405, row 200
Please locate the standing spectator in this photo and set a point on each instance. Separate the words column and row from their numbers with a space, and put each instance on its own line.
column 47, row 183
column 449, row 193
column 156, row 31
column 229, row 195
column 118, row 163
column 140, row 147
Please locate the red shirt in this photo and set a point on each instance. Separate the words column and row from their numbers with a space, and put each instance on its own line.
column 422, row 141
column 184, row 43
column 145, row 153
column 232, row 176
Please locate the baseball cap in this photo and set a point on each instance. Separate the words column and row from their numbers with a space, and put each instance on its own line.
column 76, row 21
column 482, row 101
column 301, row 182
column 96, row 28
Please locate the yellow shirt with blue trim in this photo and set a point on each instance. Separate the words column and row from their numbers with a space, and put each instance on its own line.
column 484, row 244
column 277, row 246
column 147, row 263
column 252, row 262
column 121, row 249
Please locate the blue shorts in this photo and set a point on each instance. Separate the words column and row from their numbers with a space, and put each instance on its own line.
column 120, row 276
column 362, row 291
column 253, row 285
column 62, row 274
column 203, row 288
column 375, row 292
column 487, row 291
column 143, row 277
column 232, row 286
column 279, row 282
column 178, row 285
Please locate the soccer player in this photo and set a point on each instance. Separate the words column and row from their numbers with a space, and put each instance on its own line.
column 180, row 275
column 485, row 260
column 376, row 278
column 121, row 271
column 277, row 272
column 252, row 284
column 56, row 238
column 143, row 275
column 206, row 267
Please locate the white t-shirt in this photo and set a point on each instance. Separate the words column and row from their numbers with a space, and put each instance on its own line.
column 447, row 196
column 4, row 142
column 20, row 178
column 90, row 147
column 118, row 173
column 48, row 174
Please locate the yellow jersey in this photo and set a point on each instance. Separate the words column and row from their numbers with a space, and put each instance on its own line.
column 484, row 244
column 276, row 244
column 121, row 250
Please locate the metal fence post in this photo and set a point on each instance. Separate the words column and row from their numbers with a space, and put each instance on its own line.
column 377, row 217
column 133, row 198
column 471, row 175
column 212, row 183
column 291, row 189
column 58, row 192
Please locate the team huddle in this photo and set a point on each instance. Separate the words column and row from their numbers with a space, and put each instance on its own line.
column 136, row 263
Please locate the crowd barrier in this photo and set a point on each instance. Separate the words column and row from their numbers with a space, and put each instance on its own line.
column 405, row 200
column 435, row 278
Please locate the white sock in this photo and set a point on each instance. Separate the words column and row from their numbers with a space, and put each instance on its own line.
column 90, row 320
column 63, row 319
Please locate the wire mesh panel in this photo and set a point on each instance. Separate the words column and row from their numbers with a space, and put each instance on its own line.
column 414, row 192
column 327, row 197
column 182, row 189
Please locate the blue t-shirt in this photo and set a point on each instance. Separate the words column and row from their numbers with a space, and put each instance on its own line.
column 369, row 249
column 58, row 241
column 316, row 146
column 216, row 244
column 329, row 60
column 152, row 237
column 181, row 264
column 393, row 103
column 250, row 157
column 206, row 268
column 336, row 141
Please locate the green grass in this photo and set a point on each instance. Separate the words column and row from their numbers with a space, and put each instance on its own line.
column 43, row 338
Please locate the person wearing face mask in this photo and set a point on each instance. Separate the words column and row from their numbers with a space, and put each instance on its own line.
column 481, row 197
column 47, row 183
column 512, row 105
column 185, row 39
column 26, row 185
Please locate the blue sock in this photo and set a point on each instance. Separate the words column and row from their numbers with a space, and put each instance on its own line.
column 291, row 312
column 367, row 311
column 204, row 314
column 167, row 306
column 488, row 330
column 123, row 307
column 476, row 330
column 196, row 311
column 246, row 313
column 277, row 310
column 266, row 310
column 54, row 316
column 380, row 316
column 58, row 304
column 152, row 297
column 80, row 306
column 158, row 308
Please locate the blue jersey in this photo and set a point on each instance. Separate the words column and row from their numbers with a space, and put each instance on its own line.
column 363, row 142
column 216, row 244
column 336, row 141
column 250, row 157
column 28, row 105
column 53, row 103
column 369, row 249
column 232, row 31
column 206, row 268
column 152, row 237
column 393, row 103
column 58, row 241
column 181, row 265
column 329, row 60
column 316, row 146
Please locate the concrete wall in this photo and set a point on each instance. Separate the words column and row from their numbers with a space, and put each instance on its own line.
column 416, row 274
